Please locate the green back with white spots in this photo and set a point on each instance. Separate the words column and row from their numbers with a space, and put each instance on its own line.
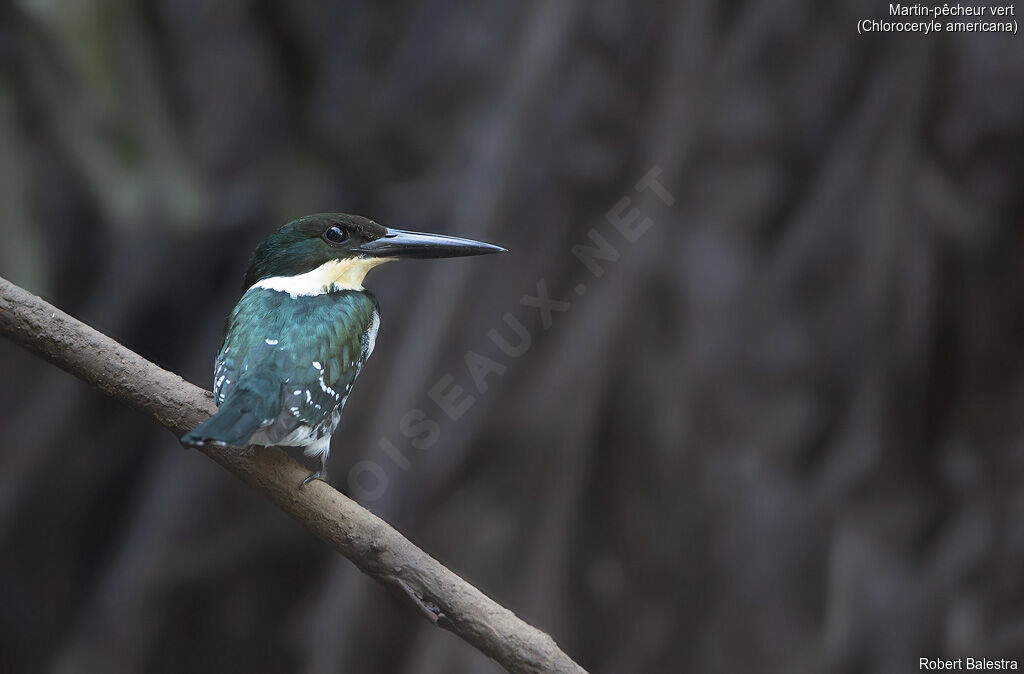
column 298, row 356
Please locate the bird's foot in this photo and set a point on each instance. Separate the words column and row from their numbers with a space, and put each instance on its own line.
column 315, row 475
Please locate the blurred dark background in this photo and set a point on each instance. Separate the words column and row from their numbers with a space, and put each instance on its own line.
column 782, row 432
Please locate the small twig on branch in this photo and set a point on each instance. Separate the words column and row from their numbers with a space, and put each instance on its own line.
column 366, row 540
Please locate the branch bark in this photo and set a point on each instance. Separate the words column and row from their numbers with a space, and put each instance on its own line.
column 378, row 550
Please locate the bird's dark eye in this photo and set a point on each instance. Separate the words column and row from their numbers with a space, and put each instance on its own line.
column 336, row 236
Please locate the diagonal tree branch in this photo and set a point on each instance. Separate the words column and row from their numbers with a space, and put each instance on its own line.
column 378, row 550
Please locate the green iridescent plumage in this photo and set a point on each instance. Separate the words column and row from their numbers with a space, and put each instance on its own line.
column 297, row 339
column 296, row 357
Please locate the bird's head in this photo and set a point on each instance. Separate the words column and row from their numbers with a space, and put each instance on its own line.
column 334, row 251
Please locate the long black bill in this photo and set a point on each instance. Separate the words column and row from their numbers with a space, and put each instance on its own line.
column 398, row 243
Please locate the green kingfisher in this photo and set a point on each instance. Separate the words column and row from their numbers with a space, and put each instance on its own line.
column 303, row 329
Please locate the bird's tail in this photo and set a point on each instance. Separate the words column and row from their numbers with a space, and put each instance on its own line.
column 239, row 417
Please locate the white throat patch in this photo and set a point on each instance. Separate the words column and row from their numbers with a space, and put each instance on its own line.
column 329, row 277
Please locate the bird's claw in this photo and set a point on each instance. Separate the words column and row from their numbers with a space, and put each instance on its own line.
column 315, row 475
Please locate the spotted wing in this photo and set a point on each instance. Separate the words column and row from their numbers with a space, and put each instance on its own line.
column 305, row 352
